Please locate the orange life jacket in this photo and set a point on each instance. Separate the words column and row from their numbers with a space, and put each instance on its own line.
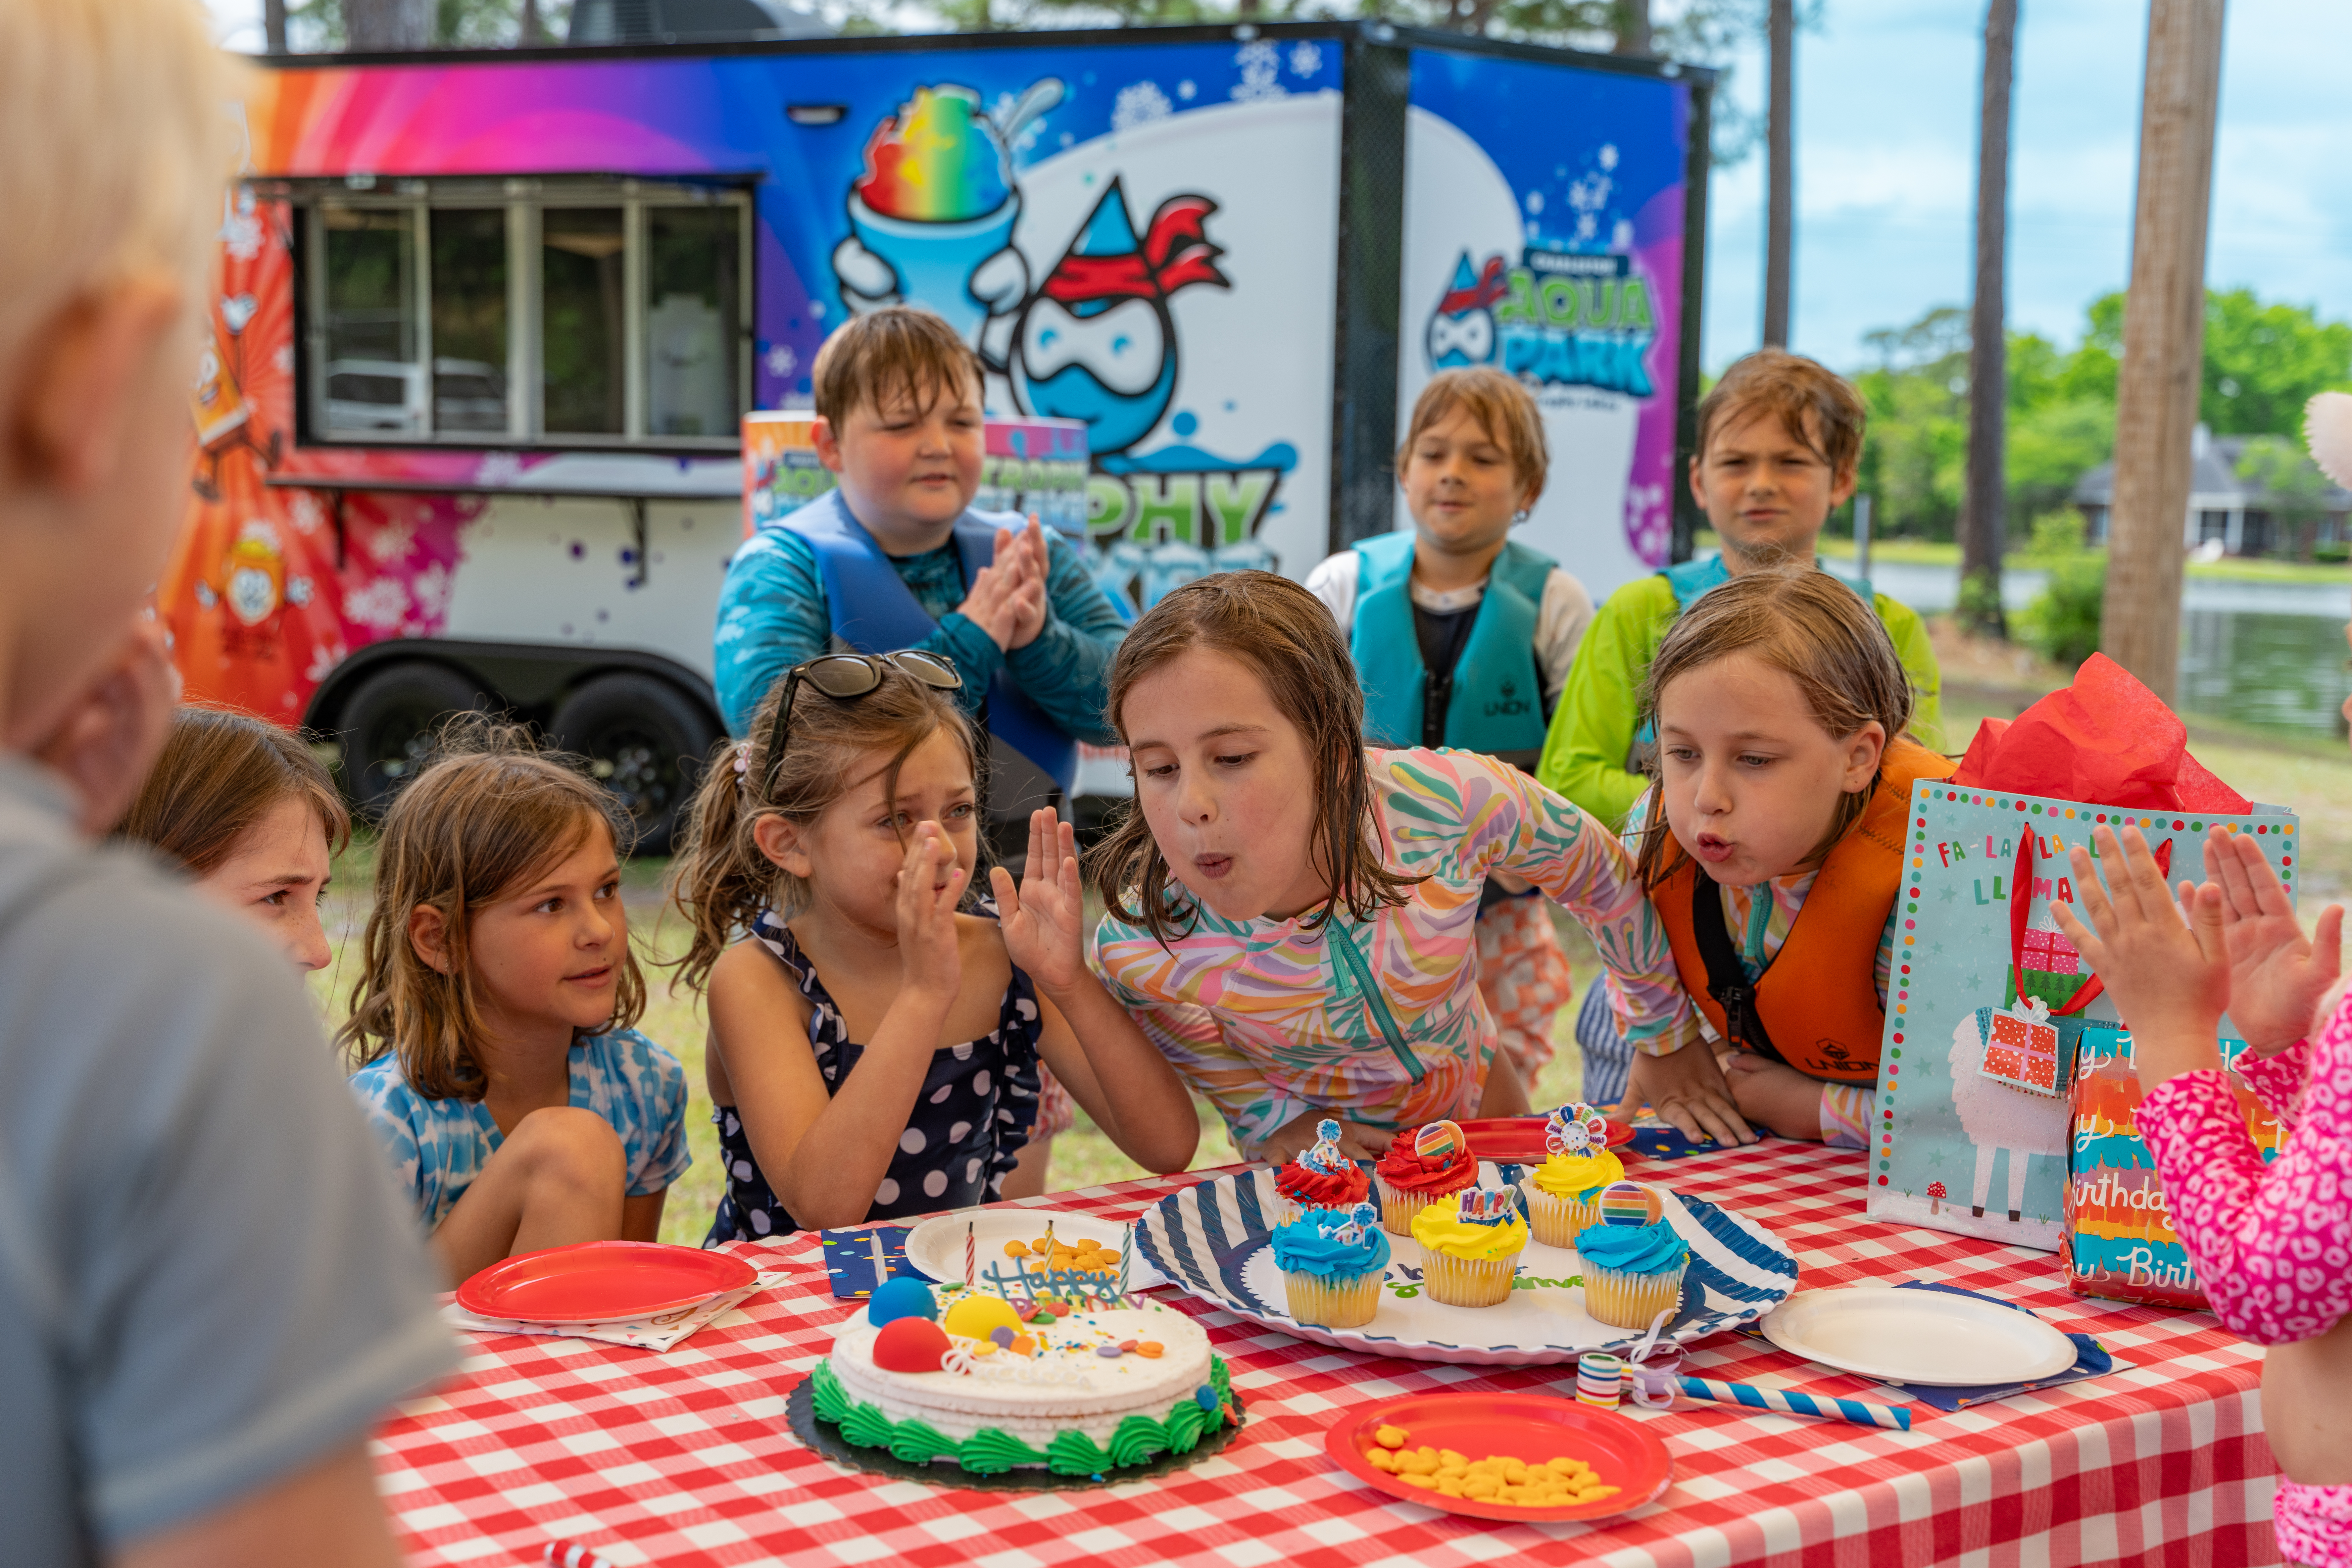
column 1816, row 1005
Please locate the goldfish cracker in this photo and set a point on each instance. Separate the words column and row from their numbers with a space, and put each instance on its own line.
column 1448, row 1486
column 1016, row 1249
column 1423, row 1462
column 1417, row 1481
column 1386, row 1436
column 1382, row 1459
column 1481, row 1486
column 1449, row 1457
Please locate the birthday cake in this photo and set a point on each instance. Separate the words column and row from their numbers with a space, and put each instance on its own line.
column 1077, row 1378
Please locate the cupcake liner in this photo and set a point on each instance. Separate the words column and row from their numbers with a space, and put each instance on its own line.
column 1627, row 1300
column 1398, row 1208
column 1333, row 1302
column 1558, row 1220
column 1467, row 1281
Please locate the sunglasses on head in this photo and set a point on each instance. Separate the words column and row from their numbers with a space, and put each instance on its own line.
column 846, row 677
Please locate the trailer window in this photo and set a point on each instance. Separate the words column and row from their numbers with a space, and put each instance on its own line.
column 562, row 312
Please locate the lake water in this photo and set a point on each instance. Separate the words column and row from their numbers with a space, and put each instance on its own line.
column 2261, row 653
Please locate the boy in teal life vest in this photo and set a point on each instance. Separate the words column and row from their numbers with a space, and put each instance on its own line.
column 895, row 557
column 1462, row 637
column 1780, row 438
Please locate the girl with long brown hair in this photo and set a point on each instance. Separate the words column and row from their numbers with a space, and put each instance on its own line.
column 1771, row 842
column 875, row 1033
column 493, row 1017
column 1292, row 912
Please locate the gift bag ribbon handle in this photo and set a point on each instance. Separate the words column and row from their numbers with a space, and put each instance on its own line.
column 2021, row 899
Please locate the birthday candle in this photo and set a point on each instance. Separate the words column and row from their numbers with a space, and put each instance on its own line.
column 881, row 1268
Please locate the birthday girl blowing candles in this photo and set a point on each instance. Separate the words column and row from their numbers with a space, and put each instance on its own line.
column 1292, row 913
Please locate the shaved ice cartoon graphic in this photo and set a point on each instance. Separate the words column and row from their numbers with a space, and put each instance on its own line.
column 931, row 217
column 1097, row 341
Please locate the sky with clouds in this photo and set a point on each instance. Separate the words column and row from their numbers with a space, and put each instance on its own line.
column 1886, row 127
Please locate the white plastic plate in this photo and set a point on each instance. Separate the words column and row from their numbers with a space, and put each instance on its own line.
column 936, row 1246
column 1927, row 1337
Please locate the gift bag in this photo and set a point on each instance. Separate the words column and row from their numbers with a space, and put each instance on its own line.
column 2120, row 1242
column 1988, row 1003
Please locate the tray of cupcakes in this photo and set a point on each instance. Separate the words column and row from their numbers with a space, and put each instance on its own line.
column 1434, row 1255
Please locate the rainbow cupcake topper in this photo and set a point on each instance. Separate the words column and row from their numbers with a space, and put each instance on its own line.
column 1325, row 1156
column 1486, row 1205
column 1629, row 1203
column 1440, row 1141
column 1576, row 1129
column 1359, row 1225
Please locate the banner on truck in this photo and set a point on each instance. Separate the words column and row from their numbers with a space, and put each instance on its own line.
column 1543, row 236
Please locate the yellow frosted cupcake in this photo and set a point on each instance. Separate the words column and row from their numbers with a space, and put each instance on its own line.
column 1564, row 1192
column 1470, row 1248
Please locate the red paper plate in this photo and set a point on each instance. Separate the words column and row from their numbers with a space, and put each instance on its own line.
column 1520, row 1138
column 603, row 1282
column 1531, row 1427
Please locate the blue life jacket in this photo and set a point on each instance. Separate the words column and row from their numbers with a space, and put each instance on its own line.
column 873, row 611
column 1495, row 703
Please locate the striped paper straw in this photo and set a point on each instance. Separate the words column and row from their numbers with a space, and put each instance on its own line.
column 1790, row 1403
column 569, row 1554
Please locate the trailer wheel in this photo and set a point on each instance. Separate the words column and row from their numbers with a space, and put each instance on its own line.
column 388, row 722
column 645, row 740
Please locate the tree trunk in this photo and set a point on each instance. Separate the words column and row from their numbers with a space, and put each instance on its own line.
column 1779, row 215
column 1984, row 521
column 377, row 27
column 1633, row 28
column 2163, row 341
column 534, row 31
column 273, row 26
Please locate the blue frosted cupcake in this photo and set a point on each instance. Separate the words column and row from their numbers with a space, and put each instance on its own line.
column 1332, row 1263
column 1632, row 1260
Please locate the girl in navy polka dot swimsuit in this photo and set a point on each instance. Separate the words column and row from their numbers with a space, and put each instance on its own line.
column 876, row 1032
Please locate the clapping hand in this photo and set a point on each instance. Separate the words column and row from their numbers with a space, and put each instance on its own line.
column 1041, row 918
column 930, row 884
column 2277, row 975
column 1028, row 547
column 2165, row 965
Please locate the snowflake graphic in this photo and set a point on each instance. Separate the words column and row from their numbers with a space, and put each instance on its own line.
column 298, row 591
column 1305, row 60
column 389, row 541
column 305, row 513
column 498, row 468
column 283, row 359
column 432, row 589
column 240, row 229
column 1185, row 90
column 1261, row 66
column 1139, row 103
column 323, row 660
column 1535, row 202
column 780, row 361
column 382, row 605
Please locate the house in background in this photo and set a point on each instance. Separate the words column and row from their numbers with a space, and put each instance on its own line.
column 2224, row 508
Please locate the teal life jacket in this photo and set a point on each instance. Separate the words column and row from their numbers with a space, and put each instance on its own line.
column 1494, row 698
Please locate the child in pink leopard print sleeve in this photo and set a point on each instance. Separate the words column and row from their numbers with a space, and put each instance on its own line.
column 2273, row 1245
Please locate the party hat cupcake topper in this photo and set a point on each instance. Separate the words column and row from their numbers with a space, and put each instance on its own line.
column 1576, row 1129
column 1628, row 1202
column 1358, row 1225
column 1439, row 1141
column 1325, row 1155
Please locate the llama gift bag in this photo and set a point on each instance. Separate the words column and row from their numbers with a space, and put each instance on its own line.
column 1991, row 1009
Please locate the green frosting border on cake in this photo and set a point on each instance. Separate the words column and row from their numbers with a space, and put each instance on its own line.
column 991, row 1450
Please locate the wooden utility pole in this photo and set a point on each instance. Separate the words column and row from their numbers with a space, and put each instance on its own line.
column 1984, row 521
column 1633, row 28
column 1779, row 220
column 2164, row 343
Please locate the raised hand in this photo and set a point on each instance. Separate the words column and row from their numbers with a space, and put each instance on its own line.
column 930, row 884
column 1043, row 918
column 2165, row 965
column 989, row 603
column 1029, row 548
column 1295, row 1137
column 2277, row 975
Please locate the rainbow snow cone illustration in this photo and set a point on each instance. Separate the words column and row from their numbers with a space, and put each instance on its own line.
column 931, row 217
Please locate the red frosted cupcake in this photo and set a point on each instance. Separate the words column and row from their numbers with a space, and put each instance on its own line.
column 1427, row 1166
column 1321, row 1178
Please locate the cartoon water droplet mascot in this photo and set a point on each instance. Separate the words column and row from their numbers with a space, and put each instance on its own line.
column 1097, row 341
column 1462, row 328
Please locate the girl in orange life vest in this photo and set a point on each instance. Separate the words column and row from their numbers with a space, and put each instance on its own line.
column 1772, row 844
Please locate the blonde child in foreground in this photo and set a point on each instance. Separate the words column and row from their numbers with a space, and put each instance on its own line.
column 1463, row 637
column 209, row 1297
column 1292, row 913
column 873, row 1051
column 492, row 1014
column 1771, row 846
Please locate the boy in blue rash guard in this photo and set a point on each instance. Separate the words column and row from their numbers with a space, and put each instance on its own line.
column 897, row 557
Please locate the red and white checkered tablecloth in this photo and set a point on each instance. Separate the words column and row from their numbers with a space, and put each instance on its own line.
column 685, row 1457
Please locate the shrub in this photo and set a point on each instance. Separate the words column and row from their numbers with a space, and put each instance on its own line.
column 2062, row 623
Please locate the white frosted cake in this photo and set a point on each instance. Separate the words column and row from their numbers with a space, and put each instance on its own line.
column 1096, row 1388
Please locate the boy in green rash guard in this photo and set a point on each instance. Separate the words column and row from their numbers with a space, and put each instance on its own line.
column 1778, row 440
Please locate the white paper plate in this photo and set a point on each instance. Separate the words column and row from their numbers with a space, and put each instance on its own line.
column 1929, row 1337
column 936, row 1246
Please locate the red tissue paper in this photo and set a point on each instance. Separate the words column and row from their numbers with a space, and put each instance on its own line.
column 2106, row 740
